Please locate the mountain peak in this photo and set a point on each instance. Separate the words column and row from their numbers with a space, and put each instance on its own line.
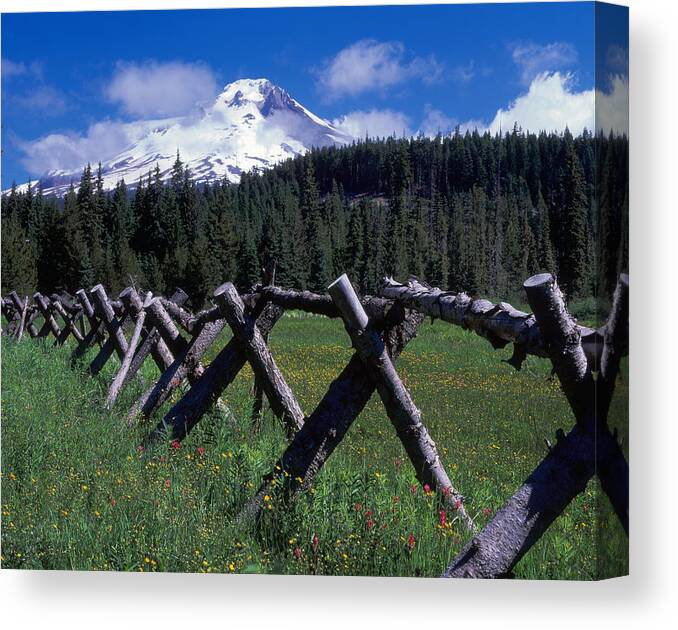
column 246, row 90
column 252, row 124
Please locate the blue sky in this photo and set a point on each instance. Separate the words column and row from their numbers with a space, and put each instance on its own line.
column 417, row 68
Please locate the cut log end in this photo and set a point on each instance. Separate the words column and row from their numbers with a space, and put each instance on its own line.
column 538, row 280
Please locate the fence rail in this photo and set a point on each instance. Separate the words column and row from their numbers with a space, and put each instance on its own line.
column 585, row 360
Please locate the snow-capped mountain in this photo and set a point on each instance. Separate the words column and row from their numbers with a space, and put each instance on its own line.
column 251, row 124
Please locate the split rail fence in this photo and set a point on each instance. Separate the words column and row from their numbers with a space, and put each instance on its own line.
column 585, row 360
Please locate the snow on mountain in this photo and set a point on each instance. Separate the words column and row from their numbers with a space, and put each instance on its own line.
column 251, row 124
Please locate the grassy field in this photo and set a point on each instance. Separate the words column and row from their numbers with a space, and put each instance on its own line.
column 77, row 494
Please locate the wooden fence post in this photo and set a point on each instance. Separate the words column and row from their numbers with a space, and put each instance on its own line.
column 568, row 467
column 218, row 375
column 20, row 304
column 325, row 428
column 105, row 311
column 151, row 342
column 403, row 413
column 43, row 306
column 119, row 380
column 280, row 396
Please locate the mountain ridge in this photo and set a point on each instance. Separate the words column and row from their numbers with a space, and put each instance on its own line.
column 252, row 124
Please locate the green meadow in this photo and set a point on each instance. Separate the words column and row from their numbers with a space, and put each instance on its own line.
column 77, row 494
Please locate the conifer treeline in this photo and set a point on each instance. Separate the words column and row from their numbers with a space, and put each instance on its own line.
column 468, row 212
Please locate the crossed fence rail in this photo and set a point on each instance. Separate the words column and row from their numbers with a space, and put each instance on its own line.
column 585, row 360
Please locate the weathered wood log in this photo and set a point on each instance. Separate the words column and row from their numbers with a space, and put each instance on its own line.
column 165, row 326
column 116, row 386
column 563, row 342
column 22, row 321
column 283, row 402
column 614, row 471
column 377, row 308
column 19, row 305
column 401, row 409
column 184, row 364
column 326, row 427
column 180, row 315
column 188, row 411
column 104, row 309
column 11, row 316
column 499, row 323
column 588, row 449
column 95, row 332
column 151, row 342
column 68, row 320
column 43, row 306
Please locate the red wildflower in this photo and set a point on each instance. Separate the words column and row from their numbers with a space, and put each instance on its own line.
column 413, row 489
column 113, row 502
column 370, row 524
column 442, row 518
column 398, row 462
column 168, row 483
column 457, row 504
column 297, row 553
column 175, row 444
column 140, row 448
column 446, row 490
column 395, row 498
column 358, row 507
column 314, row 543
column 411, row 542
column 427, row 488
column 368, row 514
column 200, row 451
column 487, row 511
column 162, row 459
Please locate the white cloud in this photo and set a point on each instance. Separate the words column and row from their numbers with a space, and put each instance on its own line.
column 67, row 151
column 535, row 59
column 436, row 121
column 375, row 123
column 161, row 89
column 550, row 104
column 12, row 69
column 49, row 101
column 369, row 65
column 612, row 108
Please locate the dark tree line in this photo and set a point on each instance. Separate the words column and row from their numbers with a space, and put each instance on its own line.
column 468, row 212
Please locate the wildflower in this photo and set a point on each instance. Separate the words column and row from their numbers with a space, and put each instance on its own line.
column 411, row 542
column 200, row 451
column 267, row 498
column 442, row 518
column 297, row 553
column 162, row 459
column 427, row 488
column 457, row 504
column 97, row 513
column 446, row 491
column 398, row 462
column 84, row 487
column 140, row 448
column 358, row 507
column 113, row 502
column 413, row 489
column 370, row 524
column 175, row 444
column 231, row 567
column 487, row 511
column 368, row 514
column 314, row 543
column 168, row 483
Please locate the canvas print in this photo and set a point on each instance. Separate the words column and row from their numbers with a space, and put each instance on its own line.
column 320, row 291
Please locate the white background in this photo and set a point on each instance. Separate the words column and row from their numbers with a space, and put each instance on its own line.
column 648, row 596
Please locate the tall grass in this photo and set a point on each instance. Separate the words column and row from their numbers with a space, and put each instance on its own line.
column 78, row 494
